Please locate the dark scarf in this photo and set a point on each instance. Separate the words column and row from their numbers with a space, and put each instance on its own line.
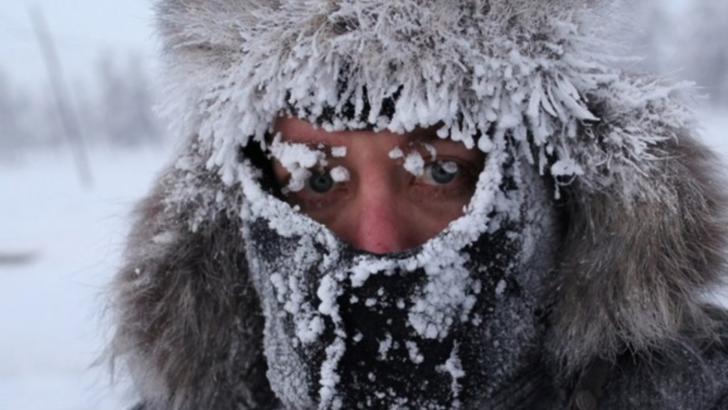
column 394, row 331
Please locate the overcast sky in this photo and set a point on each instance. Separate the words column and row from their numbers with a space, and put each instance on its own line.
column 82, row 29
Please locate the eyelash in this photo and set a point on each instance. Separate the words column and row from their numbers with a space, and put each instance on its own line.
column 462, row 184
column 465, row 178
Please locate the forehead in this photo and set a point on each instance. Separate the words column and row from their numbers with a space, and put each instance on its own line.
column 300, row 131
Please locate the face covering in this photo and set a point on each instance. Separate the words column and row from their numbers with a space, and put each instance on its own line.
column 445, row 325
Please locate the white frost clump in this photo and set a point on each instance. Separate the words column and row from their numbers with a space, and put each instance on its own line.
column 454, row 367
column 449, row 294
column 338, row 152
column 414, row 352
column 340, row 174
column 308, row 331
column 431, row 150
column 327, row 292
column 414, row 164
column 329, row 377
column 500, row 287
column 297, row 159
column 384, row 347
column 396, row 153
column 566, row 167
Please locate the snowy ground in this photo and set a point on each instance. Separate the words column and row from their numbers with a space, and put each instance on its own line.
column 50, row 308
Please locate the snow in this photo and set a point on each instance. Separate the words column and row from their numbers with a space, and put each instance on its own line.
column 51, row 308
column 396, row 153
column 414, row 163
column 338, row 152
column 340, row 174
column 297, row 159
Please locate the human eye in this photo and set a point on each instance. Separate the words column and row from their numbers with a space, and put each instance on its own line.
column 321, row 189
column 441, row 172
column 447, row 179
column 320, row 182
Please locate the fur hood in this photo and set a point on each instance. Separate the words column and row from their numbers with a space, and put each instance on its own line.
column 644, row 198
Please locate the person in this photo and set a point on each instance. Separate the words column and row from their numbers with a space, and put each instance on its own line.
column 421, row 205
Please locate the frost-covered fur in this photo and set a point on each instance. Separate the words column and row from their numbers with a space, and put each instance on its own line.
column 644, row 198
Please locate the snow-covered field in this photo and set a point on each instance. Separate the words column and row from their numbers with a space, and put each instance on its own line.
column 51, row 328
column 51, row 307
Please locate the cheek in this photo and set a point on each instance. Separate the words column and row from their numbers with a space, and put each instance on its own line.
column 433, row 216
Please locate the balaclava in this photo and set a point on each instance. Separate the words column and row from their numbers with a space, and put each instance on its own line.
column 460, row 319
column 446, row 324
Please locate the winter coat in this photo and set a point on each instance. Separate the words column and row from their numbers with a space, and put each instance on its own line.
column 625, row 320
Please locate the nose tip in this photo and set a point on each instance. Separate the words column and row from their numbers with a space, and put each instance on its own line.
column 380, row 230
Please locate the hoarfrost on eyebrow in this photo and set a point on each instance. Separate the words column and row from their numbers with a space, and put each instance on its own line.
column 297, row 159
column 338, row 152
column 396, row 153
column 431, row 150
column 340, row 174
column 414, row 164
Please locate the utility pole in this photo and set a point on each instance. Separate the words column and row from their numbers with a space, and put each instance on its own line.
column 68, row 117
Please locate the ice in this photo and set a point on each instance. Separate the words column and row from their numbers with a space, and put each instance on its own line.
column 338, row 152
column 297, row 159
column 340, row 174
column 414, row 352
column 384, row 346
column 396, row 153
column 453, row 366
column 414, row 163
column 52, row 307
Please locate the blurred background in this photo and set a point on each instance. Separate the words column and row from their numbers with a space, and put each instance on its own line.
column 80, row 143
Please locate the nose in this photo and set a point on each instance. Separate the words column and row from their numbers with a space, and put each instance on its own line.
column 380, row 226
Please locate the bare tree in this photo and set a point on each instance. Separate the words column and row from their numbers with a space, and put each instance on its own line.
column 69, row 120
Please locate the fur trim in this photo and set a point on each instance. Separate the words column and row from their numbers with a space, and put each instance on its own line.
column 189, row 325
column 529, row 70
column 634, row 279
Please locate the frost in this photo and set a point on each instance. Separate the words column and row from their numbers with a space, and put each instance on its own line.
column 384, row 346
column 309, row 331
column 164, row 238
column 500, row 287
column 280, row 286
column 297, row 159
column 329, row 376
column 327, row 293
column 340, row 174
column 338, row 152
column 414, row 352
column 414, row 164
column 566, row 167
column 431, row 150
column 454, row 367
column 396, row 153
column 447, row 296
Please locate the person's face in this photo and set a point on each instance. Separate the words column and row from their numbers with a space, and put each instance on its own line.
column 389, row 192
